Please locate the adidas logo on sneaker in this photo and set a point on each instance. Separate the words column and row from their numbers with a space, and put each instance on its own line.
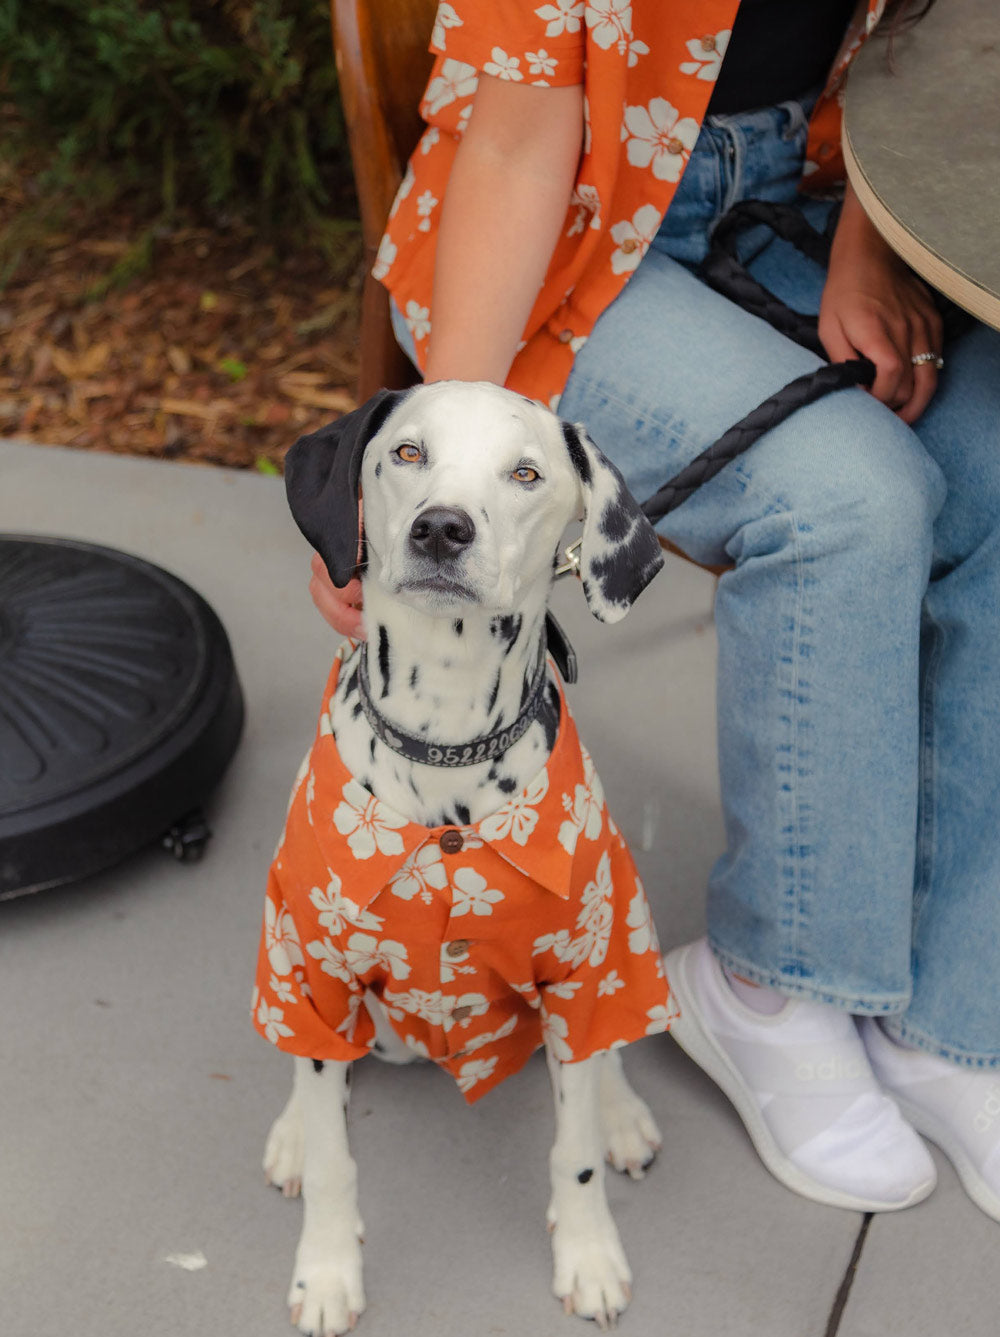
column 987, row 1113
column 831, row 1070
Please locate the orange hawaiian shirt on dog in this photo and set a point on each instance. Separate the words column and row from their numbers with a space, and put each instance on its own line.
column 481, row 941
column 648, row 69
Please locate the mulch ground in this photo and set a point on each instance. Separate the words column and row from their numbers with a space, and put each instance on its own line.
column 222, row 347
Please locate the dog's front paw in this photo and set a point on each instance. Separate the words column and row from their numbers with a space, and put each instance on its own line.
column 284, row 1150
column 631, row 1137
column 327, row 1297
column 591, row 1275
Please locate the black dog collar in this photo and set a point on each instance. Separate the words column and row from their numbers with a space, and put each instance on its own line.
column 487, row 748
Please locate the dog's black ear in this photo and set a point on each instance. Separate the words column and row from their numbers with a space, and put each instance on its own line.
column 619, row 551
column 323, row 477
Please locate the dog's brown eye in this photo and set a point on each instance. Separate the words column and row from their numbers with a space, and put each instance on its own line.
column 525, row 474
column 410, row 454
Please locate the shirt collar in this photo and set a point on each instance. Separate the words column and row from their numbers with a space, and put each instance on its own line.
column 534, row 831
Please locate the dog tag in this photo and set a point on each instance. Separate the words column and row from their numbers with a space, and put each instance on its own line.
column 560, row 649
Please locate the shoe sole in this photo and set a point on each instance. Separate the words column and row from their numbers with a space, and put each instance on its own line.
column 695, row 1038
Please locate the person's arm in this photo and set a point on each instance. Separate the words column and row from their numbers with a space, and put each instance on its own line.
column 874, row 305
column 507, row 198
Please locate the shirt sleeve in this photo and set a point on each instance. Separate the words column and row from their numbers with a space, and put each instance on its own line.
column 615, row 991
column 520, row 40
column 306, row 1000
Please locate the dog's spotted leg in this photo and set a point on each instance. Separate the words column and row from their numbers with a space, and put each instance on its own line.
column 631, row 1137
column 591, row 1274
column 326, row 1295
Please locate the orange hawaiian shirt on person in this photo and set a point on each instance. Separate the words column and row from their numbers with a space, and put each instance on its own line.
column 648, row 68
column 481, row 941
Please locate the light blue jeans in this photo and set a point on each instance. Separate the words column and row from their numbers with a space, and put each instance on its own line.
column 858, row 630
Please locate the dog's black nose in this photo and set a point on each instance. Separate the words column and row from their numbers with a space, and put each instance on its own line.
column 442, row 532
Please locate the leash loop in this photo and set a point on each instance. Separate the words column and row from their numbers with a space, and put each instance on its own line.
column 723, row 271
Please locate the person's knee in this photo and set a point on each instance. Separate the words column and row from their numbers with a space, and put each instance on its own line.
column 844, row 478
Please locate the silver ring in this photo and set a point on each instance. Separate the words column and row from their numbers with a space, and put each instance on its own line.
column 919, row 359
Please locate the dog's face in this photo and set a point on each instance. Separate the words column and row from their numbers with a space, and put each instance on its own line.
column 467, row 491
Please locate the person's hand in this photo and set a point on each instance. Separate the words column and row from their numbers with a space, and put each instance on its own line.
column 874, row 305
column 340, row 607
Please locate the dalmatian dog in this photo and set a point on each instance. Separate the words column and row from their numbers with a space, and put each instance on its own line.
column 467, row 491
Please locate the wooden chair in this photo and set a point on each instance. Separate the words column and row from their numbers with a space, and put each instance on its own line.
column 383, row 65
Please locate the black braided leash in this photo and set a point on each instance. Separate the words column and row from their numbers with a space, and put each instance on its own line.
column 723, row 272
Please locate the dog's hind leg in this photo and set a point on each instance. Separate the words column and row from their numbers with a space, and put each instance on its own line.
column 326, row 1294
column 631, row 1137
column 591, row 1276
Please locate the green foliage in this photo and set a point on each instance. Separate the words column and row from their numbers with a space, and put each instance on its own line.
column 229, row 106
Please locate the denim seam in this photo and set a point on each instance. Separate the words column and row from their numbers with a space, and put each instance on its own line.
column 899, row 1030
column 926, row 826
column 888, row 1005
column 795, row 898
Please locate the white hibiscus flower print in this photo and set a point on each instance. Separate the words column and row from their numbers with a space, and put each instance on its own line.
column 428, row 139
column 563, row 989
column 585, row 808
column 446, row 18
column 706, row 55
column 430, row 1007
column 555, row 1029
column 476, row 1070
column 281, row 939
column 633, row 237
column 331, row 959
column 383, row 263
column 272, row 1019
column 587, row 202
column 471, row 894
column 364, row 952
column 561, row 16
column 282, row 990
column 418, row 319
column 502, row 66
column 540, row 63
column 347, row 1026
column 463, row 1008
column 529, row 992
column 640, row 921
column 659, row 1019
column 337, row 911
column 610, row 984
column 452, row 965
column 610, row 23
column 455, row 80
column 656, row 137
column 557, row 943
column 422, row 874
column 635, row 50
column 595, row 918
column 488, row 1037
column 426, row 204
column 367, row 824
column 517, row 818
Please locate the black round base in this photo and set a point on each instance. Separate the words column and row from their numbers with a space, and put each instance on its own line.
column 120, row 708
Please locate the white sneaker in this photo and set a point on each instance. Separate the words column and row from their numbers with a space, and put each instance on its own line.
column 957, row 1108
column 802, row 1084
